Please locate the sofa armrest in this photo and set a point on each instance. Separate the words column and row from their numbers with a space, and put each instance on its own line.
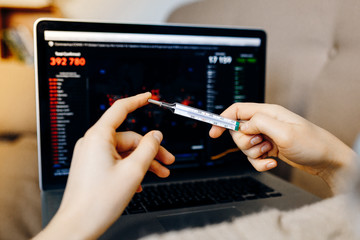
column 20, row 204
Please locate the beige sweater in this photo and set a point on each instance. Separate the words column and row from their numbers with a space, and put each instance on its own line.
column 336, row 218
column 327, row 219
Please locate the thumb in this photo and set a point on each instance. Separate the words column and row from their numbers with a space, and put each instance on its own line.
column 146, row 151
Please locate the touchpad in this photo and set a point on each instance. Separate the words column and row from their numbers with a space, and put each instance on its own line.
column 198, row 218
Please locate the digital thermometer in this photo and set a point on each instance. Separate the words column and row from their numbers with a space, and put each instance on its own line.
column 199, row 115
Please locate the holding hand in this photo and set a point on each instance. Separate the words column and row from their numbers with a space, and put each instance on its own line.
column 106, row 170
column 274, row 132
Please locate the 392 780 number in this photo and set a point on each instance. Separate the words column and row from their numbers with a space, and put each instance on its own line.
column 67, row 61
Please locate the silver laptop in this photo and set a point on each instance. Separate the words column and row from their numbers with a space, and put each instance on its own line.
column 83, row 67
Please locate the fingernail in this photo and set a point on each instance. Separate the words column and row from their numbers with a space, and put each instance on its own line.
column 166, row 172
column 255, row 140
column 270, row 165
column 148, row 93
column 158, row 136
column 244, row 126
column 265, row 148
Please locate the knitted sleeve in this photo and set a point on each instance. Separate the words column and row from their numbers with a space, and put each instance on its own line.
column 326, row 219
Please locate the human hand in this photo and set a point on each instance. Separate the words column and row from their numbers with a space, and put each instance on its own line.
column 275, row 132
column 106, row 170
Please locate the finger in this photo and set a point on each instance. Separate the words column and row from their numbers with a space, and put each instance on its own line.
column 139, row 189
column 258, row 150
column 116, row 114
column 241, row 111
column 245, row 111
column 244, row 141
column 159, row 169
column 262, row 165
column 216, row 131
column 261, row 123
column 165, row 156
column 128, row 141
column 145, row 152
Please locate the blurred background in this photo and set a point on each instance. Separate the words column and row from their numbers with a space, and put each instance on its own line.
column 145, row 11
column 17, row 17
column 312, row 69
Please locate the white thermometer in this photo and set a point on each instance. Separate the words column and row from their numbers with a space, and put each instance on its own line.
column 199, row 115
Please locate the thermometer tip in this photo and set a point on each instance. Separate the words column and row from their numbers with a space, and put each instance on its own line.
column 154, row 102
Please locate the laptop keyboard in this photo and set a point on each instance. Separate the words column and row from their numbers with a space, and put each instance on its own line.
column 198, row 193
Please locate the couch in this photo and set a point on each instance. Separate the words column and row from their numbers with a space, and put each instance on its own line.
column 312, row 69
column 20, row 209
column 312, row 60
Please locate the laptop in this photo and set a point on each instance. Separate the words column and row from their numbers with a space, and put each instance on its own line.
column 82, row 67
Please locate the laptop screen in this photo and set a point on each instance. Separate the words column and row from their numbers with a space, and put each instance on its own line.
column 83, row 67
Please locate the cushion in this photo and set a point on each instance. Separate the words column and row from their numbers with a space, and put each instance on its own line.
column 17, row 98
column 313, row 52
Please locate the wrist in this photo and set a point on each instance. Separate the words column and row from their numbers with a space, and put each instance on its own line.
column 336, row 158
column 64, row 226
